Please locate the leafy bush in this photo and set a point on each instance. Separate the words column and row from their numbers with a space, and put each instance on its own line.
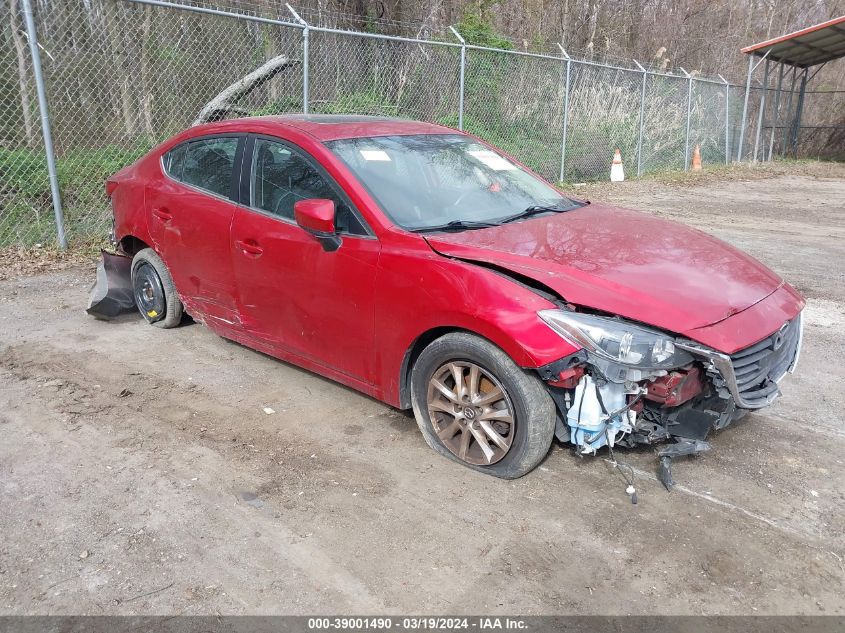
column 477, row 28
column 27, row 202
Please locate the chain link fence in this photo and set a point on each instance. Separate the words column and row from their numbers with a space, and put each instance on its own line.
column 515, row 101
column 26, row 213
column 120, row 76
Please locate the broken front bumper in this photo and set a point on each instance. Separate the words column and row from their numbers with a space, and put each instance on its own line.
column 751, row 375
column 680, row 406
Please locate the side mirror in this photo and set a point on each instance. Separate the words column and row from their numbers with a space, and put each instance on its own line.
column 316, row 216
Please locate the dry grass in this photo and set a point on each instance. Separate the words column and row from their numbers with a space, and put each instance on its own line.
column 22, row 262
column 709, row 175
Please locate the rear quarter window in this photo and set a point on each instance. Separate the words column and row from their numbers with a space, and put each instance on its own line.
column 207, row 163
column 174, row 161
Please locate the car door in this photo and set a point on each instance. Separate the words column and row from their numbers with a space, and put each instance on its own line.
column 306, row 301
column 190, row 213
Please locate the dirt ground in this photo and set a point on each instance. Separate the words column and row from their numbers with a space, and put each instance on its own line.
column 139, row 472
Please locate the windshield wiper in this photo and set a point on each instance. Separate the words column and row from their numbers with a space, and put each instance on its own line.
column 535, row 209
column 456, row 225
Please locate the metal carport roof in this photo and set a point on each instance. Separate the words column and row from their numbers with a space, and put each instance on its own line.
column 808, row 47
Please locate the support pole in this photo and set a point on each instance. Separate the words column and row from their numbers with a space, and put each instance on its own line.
column 776, row 113
column 461, row 79
column 642, row 120
column 689, row 118
column 565, row 123
column 799, row 110
column 744, row 109
column 32, row 36
column 787, row 126
column 727, row 119
column 306, row 54
column 761, row 115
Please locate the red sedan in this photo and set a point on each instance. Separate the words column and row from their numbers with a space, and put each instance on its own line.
column 427, row 269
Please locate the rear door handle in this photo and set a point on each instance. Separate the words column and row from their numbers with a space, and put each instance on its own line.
column 249, row 247
column 163, row 214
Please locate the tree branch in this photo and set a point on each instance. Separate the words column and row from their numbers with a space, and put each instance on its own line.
column 224, row 103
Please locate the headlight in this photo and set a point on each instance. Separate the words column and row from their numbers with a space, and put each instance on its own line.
column 617, row 341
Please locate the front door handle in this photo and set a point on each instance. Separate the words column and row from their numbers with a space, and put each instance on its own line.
column 162, row 214
column 249, row 247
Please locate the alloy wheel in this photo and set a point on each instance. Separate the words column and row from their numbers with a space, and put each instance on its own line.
column 471, row 413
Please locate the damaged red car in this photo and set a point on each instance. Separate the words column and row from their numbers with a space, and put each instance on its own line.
column 424, row 267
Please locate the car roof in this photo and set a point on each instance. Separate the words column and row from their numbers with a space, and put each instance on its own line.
column 330, row 127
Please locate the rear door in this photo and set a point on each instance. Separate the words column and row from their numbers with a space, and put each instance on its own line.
column 302, row 299
column 191, row 210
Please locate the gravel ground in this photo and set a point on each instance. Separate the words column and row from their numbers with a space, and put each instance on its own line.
column 140, row 474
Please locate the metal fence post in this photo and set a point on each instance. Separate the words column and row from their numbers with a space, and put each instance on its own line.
column 642, row 121
column 565, row 122
column 761, row 115
column 727, row 119
column 689, row 118
column 32, row 36
column 461, row 80
column 306, row 45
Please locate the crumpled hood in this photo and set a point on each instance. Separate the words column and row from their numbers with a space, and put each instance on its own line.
column 624, row 262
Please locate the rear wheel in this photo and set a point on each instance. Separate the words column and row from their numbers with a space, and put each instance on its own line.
column 476, row 406
column 155, row 294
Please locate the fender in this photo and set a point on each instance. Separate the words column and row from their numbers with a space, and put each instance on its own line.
column 469, row 298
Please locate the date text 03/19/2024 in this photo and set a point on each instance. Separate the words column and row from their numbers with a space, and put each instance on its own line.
column 429, row 623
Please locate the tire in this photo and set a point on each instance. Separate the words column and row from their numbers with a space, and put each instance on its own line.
column 525, row 400
column 154, row 292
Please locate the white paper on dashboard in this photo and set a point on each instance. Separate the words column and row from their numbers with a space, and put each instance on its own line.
column 375, row 154
column 493, row 160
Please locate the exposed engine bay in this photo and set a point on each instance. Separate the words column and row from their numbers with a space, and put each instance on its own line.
column 603, row 403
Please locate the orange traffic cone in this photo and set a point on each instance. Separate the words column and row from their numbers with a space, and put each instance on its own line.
column 696, row 158
column 617, row 170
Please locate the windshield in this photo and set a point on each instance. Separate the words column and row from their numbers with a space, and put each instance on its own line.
column 428, row 181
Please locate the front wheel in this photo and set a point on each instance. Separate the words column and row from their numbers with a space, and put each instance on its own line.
column 476, row 406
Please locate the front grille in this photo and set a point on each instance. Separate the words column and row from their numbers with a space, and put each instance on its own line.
column 758, row 369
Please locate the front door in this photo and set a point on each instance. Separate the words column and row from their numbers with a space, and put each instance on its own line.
column 312, row 303
column 190, row 213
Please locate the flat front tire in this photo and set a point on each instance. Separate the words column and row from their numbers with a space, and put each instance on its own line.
column 154, row 292
column 477, row 407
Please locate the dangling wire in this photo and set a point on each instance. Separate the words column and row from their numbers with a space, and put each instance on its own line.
column 619, row 466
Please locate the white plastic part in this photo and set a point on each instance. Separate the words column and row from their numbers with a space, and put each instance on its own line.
column 589, row 425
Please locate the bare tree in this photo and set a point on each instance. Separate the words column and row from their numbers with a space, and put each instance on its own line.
column 111, row 18
column 23, row 71
column 146, row 72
